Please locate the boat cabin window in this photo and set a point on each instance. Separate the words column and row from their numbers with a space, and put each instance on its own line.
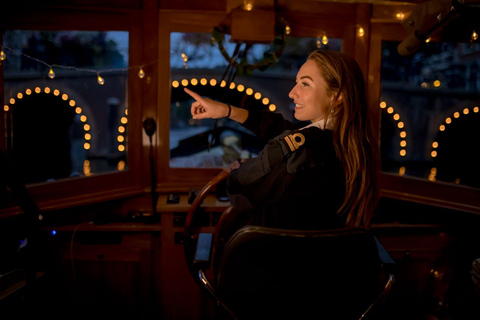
column 430, row 112
column 65, row 102
column 197, row 62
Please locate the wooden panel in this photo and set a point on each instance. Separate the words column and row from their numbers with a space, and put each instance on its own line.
column 3, row 114
column 219, row 5
column 362, row 41
column 433, row 269
column 308, row 24
column 431, row 193
column 391, row 12
column 245, row 26
column 132, row 4
column 45, row 18
column 256, row 4
column 373, row 78
column 390, row 31
column 105, row 272
column 334, row 9
column 177, row 286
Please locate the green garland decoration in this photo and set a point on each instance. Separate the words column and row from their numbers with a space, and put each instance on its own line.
column 242, row 67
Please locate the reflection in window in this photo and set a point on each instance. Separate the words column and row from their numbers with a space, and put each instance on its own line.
column 196, row 63
column 430, row 112
column 65, row 102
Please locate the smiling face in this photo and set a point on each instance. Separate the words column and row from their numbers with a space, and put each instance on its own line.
column 310, row 94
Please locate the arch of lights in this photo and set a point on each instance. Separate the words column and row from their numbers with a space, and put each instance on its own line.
column 83, row 118
column 399, row 124
column 449, row 120
column 442, row 128
column 402, row 134
column 239, row 87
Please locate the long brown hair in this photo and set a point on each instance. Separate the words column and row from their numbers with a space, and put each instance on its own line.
column 354, row 140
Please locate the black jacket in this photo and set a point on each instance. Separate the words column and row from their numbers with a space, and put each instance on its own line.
column 296, row 182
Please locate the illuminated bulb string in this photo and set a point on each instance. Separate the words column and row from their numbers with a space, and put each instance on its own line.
column 213, row 82
column 448, row 121
column 100, row 80
column 141, row 73
column 51, row 73
column 400, row 125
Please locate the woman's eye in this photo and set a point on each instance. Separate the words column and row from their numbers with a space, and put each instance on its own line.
column 304, row 84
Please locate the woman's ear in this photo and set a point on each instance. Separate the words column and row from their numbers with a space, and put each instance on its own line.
column 338, row 99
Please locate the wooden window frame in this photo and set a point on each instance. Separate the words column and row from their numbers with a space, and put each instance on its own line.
column 109, row 186
column 411, row 189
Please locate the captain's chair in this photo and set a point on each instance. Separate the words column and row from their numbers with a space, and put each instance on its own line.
column 265, row 273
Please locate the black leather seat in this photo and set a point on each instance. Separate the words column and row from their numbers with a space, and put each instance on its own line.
column 265, row 273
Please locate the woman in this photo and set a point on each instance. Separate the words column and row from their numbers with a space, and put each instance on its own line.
column 316, row 176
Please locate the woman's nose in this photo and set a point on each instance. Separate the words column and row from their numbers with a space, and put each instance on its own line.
column 291, row 94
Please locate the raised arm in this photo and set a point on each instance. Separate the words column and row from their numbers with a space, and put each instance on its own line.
column 204, row 108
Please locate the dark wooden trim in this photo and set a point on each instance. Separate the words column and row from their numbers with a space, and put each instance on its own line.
column 444, row 195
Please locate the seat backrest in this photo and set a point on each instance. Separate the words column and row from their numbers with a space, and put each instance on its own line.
column 266, row 273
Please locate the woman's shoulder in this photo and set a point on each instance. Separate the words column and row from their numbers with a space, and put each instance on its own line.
column 305, row 147
column 310, row 137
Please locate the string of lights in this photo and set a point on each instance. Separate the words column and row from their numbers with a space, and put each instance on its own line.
column 51, row 73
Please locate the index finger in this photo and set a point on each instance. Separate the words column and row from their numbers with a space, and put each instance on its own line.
column 194, row 95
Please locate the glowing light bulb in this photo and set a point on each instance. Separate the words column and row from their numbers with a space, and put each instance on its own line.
column 248, row 5
column 51, row 74
column 324, row 39
column 100, row 80
column 474, row 36
column 121, row 163
column 141, row 73
column 361, row 32
column 3, row 56
column 288, row 29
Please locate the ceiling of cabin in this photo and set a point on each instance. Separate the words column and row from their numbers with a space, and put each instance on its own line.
column 374, row 1
column 423, row 21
